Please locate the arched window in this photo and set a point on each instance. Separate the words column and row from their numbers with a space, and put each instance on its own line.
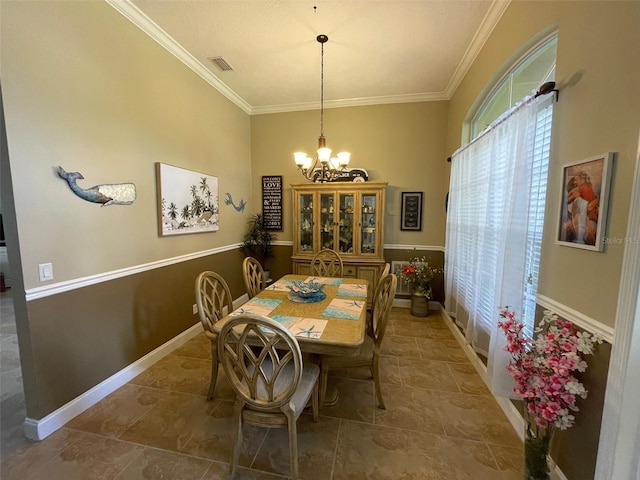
column 488, row 174
column 535, row 67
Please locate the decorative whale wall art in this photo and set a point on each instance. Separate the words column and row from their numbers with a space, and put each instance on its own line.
column 108, row 194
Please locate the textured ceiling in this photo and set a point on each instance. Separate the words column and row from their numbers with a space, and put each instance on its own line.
column 378, row 51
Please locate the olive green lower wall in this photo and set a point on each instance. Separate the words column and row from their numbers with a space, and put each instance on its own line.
column 81, row 337
column 280, row 264
column 575, row 450
column 584, row 436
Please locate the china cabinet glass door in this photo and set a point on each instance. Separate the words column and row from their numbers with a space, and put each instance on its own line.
column 327, row 222
column 305, row 222
column 345, row 222
column 368, row 225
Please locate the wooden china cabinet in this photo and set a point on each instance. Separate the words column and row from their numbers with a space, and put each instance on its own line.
column 347, row 217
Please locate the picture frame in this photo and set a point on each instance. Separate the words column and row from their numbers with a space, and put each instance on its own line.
column 272, row 203
column 411, row 216
column 584, row 202
column 187, row 201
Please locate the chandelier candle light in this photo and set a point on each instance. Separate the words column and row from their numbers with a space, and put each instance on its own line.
column 328, row 165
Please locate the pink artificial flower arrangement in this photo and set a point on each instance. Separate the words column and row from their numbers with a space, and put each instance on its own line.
column 544, row 369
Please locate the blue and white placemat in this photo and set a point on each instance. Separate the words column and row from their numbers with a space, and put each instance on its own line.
column 302, row 327
column 352, row 290
column 257, row 306
column 342, row 308
column 280, row 285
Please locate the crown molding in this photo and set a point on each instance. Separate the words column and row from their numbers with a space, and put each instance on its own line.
column 351, row 102
column 138, row 18
column 148, row 26
column 489, row 22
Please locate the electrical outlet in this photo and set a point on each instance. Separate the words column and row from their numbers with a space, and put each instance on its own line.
column 195, row 309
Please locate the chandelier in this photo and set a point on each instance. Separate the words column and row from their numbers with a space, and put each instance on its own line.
column 323, row 168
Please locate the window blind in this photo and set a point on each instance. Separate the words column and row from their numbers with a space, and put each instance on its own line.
column 494, row 227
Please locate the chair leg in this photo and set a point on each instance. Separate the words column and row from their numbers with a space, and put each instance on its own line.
column 293, row 446
column 237, row 438
column 376, row 381
column 214, row 370
column 315, row 400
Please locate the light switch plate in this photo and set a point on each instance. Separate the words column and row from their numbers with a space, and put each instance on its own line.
column 46, row 271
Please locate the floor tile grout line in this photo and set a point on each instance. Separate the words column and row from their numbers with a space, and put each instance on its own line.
column 335, row 450
column 343, row 422
column 149, row 447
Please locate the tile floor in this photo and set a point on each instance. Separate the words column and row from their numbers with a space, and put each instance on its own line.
column 440, row 423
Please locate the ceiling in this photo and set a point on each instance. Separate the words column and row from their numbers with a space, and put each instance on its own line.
column 378, row 51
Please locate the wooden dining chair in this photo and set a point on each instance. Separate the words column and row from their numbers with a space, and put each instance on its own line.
column 327, row 263
column 271, row 382
column 385, row 271
column 253, row 275
column 368, row 355
column 214, row 301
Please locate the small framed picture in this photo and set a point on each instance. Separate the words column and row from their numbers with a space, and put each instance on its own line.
column 411, row 216
column 585, row 197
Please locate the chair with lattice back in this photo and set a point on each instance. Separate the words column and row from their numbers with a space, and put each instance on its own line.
column 253, row 275
column 263, row 362
column 385, row 271
column 369, row 353
column 214, row 301
column 327, row 263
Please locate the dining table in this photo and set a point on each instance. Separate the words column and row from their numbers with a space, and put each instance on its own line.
column 334, row 325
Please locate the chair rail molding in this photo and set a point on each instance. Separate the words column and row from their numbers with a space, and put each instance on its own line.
column 66, row 286
column 396, row 246
column 579, row 318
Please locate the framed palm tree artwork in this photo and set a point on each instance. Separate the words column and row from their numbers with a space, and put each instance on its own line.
column 187, row 201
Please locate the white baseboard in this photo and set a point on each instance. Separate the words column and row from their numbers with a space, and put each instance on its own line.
column 42, row 428
column 513, row 414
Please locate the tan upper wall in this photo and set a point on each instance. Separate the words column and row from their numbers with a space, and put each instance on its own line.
column 86, row 89
column 402, row 144
column 598, row 74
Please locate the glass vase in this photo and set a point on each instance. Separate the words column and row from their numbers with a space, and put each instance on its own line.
column 536, row 450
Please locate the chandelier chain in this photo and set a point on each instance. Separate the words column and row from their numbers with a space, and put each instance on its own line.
column 322, row 89
column 323, row 168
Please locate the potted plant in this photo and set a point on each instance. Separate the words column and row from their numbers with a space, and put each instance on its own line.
column 258, row 241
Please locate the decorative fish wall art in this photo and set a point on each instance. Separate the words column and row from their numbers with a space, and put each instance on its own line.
column 237, row 208
column 107, row 194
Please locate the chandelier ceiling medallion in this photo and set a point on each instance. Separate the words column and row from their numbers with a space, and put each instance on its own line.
column 323, row 168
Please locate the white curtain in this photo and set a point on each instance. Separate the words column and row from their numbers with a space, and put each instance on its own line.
column 490, row 227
